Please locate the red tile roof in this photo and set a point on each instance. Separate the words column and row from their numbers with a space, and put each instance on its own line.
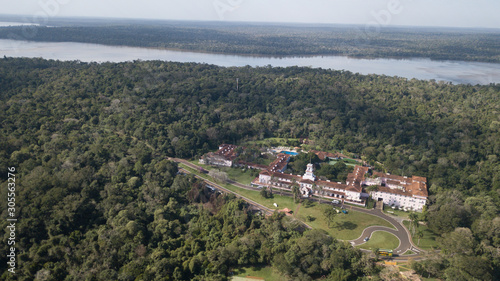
column 266, row 173
column 411, row 186
column 331, row 184
column 227, row 151
column 307, row 181
column 280, row 162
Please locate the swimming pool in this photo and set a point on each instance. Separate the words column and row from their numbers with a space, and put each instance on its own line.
column 289, row 153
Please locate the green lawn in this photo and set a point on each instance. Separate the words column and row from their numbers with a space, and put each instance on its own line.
column 345, row 226
column 396, row 213
column 427, row 242
column 381, row 240
column 244, row 176
column 409, row 252
column 263, row 272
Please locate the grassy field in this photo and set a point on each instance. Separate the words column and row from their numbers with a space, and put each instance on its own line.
column 345, row 226
column 244, row 176
column 409, row 252
column 263, row 272
column 381, row 240
column 395, row 213
column 427, row 242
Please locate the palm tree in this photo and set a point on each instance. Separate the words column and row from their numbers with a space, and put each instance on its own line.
column 273, row 182
column 420, row 234
column 295, row 191
column 316, row 190
column 321, row 193
column 413, row 221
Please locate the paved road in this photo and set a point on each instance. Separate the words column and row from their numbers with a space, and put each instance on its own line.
column 400, row 231
column 267, row 210
column 218, row 187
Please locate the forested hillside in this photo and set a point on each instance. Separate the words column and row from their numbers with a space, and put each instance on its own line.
column 278, row 39
column 97, row 199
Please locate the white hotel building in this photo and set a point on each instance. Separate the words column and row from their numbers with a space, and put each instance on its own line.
column 402, row 192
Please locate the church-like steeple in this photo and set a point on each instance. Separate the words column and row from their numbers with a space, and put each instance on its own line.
column 309, row 175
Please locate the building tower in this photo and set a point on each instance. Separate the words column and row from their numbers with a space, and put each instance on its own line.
column 309, row 175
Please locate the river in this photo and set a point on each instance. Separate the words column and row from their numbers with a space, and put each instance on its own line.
column 456, row 72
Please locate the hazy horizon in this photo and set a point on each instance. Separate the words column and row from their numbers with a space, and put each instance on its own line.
column 374, row 13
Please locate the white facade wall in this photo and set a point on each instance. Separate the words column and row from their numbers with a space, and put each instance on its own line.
column 352, row 195
column 400, row 201
column 264, row 179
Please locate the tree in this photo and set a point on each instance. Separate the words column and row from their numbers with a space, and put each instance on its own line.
column 218, row 176
column 330, row 214
column 420, row 234
column 376, row 252
column 460, row 241
column 295, row 191
column 445, row 218
column 413, row 222
column 339, row 274
column 372, row 188
column 274, row 181
column 468, row 268
column 263, row 193
column 316, row 189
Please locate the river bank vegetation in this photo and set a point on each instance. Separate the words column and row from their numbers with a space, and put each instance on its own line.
column 276, row 39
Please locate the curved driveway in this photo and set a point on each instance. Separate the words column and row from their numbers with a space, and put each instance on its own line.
column 400, row 231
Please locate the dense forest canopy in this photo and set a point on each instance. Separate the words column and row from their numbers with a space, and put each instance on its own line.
column 89, row 142
column 276, row 39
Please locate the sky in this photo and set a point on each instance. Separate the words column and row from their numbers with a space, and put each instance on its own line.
column 450, row 13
